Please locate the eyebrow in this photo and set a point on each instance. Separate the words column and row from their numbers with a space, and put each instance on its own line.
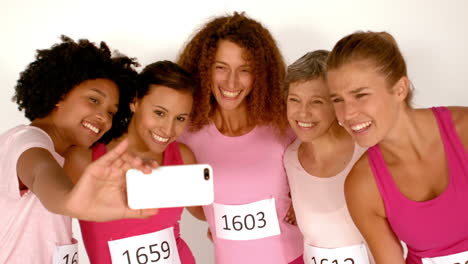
column 313, row 96
column 355, row 91
column 243, row 65
column 163, row 108
column 358, row 90
column 103, row 94
column 99, row 92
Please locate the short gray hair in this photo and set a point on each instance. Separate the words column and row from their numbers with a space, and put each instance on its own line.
column 311, row 66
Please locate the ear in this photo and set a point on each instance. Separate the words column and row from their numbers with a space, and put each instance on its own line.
column 134, row 105
column 401, row 88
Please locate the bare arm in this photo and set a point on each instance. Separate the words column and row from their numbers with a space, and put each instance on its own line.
column 368, row 213
column 99, row 195
column 76, row 161
column 189, row 158
column 41, row 174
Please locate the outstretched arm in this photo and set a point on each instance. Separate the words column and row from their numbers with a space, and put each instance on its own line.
column 100, row 193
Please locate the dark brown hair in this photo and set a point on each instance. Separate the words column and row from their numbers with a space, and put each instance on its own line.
column 265, row 104
column 379, row 48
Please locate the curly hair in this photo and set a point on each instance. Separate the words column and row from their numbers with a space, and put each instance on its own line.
column 265, row 104
column 56, row 71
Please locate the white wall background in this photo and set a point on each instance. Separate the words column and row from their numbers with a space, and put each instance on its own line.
column 432, row 34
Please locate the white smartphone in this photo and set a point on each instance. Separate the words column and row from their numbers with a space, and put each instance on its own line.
column 170, row 186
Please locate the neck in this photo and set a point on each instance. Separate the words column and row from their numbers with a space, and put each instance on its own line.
column 234, row 122
column 408, row 137
column 336, row 136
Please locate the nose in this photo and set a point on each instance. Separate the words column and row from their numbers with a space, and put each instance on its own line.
column 231, row 80
column 168, row 128
column 104, row 118
column 304, row 111
column 349, row 110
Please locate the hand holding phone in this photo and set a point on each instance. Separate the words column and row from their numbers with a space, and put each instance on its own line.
column 170, row 186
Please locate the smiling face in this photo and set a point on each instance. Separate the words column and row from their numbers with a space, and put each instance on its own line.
column 365, row 104
column 232, row 76
column 86, row 112
column 159, row 118
column 310, row 112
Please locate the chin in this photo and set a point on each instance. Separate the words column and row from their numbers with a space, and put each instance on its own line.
column 366, row 143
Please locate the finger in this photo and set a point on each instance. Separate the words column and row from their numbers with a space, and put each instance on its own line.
column 131, row 161
column 115, row 154
column 151, row 163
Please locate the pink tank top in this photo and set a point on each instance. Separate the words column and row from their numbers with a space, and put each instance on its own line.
column 437, row 227
column 97, row 234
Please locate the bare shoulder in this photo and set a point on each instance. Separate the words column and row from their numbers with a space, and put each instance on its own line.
column 187, row 154
column 361, row 190
column 76, row 160
column 359, row 175
column 460, row 119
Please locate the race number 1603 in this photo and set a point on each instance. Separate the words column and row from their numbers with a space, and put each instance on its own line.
column 248, row 222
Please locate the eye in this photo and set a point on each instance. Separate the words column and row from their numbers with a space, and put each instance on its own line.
column 93, row 100
column 292, row 99
column 219, row 67
column 159, row 113
column 111, row 113
column 317, row 102
column 181, row 118
column 360, row 95
column 337, row 100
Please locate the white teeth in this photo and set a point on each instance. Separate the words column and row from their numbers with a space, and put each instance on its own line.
column 305, row 125
column 230, row 94
column 361, row 126
column 91, row 127
column 158, row 138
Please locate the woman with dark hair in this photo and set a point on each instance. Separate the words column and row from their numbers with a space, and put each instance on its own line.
column 160, row 112
column 71, row 93
column 239, row 126
column 412, row 183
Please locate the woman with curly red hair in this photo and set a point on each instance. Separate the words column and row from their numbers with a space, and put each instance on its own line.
column 239, row 126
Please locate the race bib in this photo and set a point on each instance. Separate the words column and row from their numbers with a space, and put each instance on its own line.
column 459, row 258
column 158, row 247
column 248, row 221
column 67, row 254
column 356, row 254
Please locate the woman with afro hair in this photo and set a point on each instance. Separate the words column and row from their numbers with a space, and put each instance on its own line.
column 71, row 93
column 239, row 126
